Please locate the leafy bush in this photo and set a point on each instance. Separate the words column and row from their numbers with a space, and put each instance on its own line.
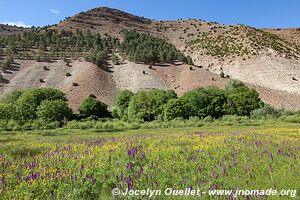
column 291, row 118
column 7, row 112
column 11, row 97
column 266, row 111
column 30, row 99
column 176, row 108
column 121, row 104
column 241, row 100
column 53, row 111
column 204, row 102
column 149, row 105
column 93, row 107
column 208, row 119
column 234, row 118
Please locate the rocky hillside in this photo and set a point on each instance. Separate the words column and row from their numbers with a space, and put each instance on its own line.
column 7, row 29
column 266, row 59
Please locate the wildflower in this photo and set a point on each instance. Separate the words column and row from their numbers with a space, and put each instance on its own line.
column 140, row 171
column 132, row 151
column 3, row 182
column 271, row 156
column 129, row 166
column 129, row 182
column 8, row 163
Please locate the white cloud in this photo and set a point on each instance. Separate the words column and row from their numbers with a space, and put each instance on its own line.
column 54, row 11
column 18, row 23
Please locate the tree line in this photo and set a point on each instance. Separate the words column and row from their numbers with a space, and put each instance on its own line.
column 46, row 105
column 235, row 99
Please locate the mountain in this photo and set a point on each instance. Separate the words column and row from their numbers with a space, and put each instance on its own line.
column 266, row 59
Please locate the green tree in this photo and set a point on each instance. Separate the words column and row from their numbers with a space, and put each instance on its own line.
column 203, row 102
column 53, row 110
column 28, row 102
column 7, row 112
column 176, row 108
column 122, row 102
column 190, row 61
column 93, row 107
column 241, row 100
column 11, row 97
column 149, row 105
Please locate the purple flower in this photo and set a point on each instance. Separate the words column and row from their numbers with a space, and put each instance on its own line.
column 270, row 168
column 132, row 151
column 8, row 163
column 3, row 182
column 32, row 165
column 140, row 171
column 129, row 182
column 221, row 163
column 271, row 156
column 129, row 166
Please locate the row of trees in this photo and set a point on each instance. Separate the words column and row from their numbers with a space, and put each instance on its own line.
column 140, row 47
column 235, row 99
column 47, row 105
column 50, row 105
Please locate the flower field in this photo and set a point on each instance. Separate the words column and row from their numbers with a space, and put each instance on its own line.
column 88, row 164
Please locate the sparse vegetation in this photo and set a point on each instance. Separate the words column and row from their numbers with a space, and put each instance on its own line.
column 115, row 59
column 242, row 41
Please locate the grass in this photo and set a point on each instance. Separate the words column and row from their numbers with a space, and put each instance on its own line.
column 88, row 164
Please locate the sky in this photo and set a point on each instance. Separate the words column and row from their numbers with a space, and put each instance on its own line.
column 256, row 13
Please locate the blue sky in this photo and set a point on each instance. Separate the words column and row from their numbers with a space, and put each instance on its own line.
column 257, row 13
